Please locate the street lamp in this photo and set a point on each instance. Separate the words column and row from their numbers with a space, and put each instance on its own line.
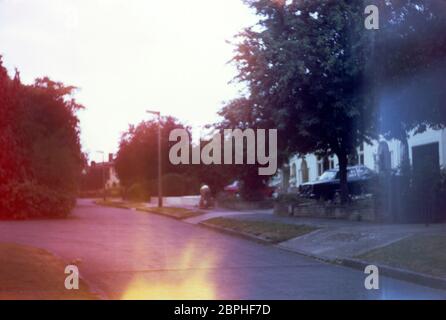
column 160, row 182
column 103, row 173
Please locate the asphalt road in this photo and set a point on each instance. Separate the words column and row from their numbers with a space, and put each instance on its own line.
column 127, row 254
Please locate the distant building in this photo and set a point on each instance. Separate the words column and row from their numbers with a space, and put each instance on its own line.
column 96, row 173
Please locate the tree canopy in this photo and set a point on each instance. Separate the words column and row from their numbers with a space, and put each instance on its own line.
column 313, row 71
column 137, row 161
column 41, row 158
column 305, row 65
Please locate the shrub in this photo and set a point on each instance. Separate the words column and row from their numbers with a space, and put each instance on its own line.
column 139, row 192
column 41, row 158
column 413, row 196
column 30, row 200
column 175, row 185
column 288, row 198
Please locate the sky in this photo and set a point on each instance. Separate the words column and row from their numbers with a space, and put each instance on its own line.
column 127, row 56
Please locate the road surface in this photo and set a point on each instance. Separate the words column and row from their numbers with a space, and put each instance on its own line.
column 126, row 254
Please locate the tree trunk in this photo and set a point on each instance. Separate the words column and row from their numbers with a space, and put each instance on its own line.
column 343, row 163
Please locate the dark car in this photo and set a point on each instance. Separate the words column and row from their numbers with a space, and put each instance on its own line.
column 234, row 189
column 359, row 180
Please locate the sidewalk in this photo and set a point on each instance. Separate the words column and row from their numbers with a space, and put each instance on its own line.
column 222, row 213
column 409, row 252
column 334, row 239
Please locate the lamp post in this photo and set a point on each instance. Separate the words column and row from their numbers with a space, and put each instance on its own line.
column 103, row 174
column 160, row 183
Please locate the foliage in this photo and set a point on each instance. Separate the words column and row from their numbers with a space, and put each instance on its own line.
column 175, row 184
column 137, row 158
column 313, row 72
column 93, row 178
column 409, row 62
column 413, row 196
column 137, row 162
column 237, row 115
column 305, row 64
column 41, row 157
column 31, row 200
column 289, row 198
column 139, row 192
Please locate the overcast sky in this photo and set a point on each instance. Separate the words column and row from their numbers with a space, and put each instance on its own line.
column 127, row 56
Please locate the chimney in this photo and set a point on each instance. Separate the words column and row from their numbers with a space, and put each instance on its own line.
column 110, row 157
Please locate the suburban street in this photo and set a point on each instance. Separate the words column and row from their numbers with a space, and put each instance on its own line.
column 127, row 254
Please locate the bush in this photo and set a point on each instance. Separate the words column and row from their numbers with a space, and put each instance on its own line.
column 175, row 185
column 41, row 159
column 116, row 192
column 288, row 198
column 30, row 200
column 139, row 192
column 229, row 201
column 413, row 196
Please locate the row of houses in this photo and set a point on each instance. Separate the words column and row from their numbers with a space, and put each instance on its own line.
column 381, row 155
column 427, row 148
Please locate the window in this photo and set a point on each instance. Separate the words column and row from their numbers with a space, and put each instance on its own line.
column 293, row 177
column 361, row 157
column 293, row 170
column 323, row 164
column 304, row 171
column 332, row 163
column 320, row 169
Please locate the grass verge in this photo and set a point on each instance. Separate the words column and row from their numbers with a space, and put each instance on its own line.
column 31, row 273
column 173, row 212
column 177, row 213
column 272, row 232
column 421, row 253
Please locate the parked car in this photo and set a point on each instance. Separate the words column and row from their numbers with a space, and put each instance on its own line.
column 234, row 189
column 327, row 187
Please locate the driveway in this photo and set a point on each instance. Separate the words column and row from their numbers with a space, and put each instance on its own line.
column 127, row 254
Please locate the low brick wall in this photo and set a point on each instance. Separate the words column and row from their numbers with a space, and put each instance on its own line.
column 240, row 205
column 362, row 209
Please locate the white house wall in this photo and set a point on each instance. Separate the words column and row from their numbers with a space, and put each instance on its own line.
column 370, row 155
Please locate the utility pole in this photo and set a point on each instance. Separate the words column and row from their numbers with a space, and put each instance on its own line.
column 160, row 182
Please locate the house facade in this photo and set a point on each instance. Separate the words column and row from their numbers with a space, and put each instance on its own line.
column 110, row 175
column 101, row 174
column 381, row 155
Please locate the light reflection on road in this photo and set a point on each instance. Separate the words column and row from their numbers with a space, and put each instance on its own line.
column 195, row 284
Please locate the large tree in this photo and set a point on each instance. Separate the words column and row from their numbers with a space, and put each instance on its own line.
column 41, row 158
column 305, row 65
column 314, row 72
column 137, row 158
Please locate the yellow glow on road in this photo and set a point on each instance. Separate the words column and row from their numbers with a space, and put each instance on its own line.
column 187, row 281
